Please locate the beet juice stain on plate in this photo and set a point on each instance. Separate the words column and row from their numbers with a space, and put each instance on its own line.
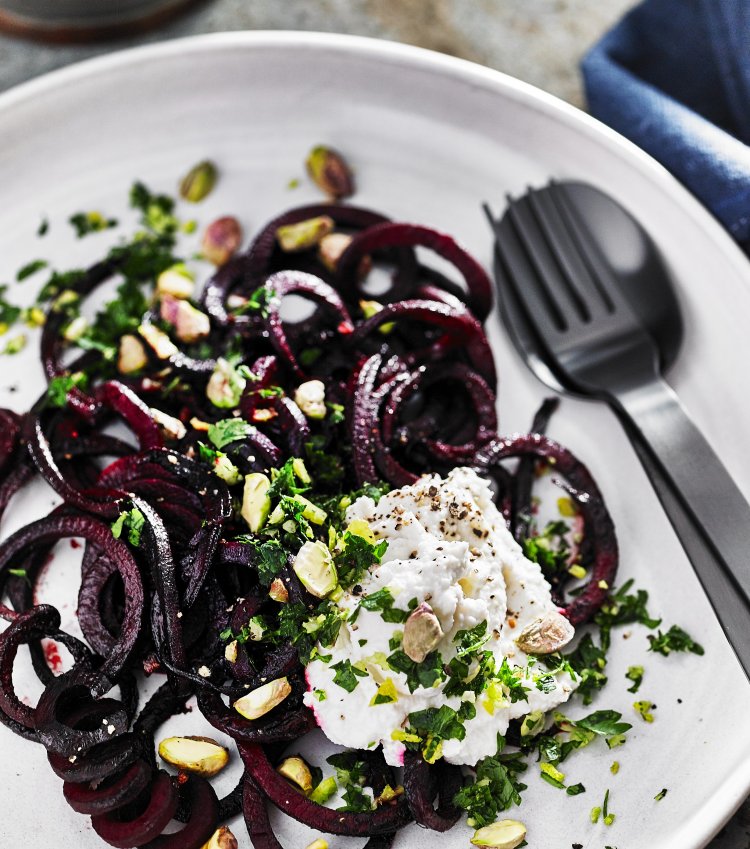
column 69, row 21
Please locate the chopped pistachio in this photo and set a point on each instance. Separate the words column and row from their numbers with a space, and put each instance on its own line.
column 131, row 355
column 545, row 635
column 422, row 632
column 256, row 504
column 294, row 238
column 16, row 344
column 313, row 514
column 169, row 426
column 323, row 792
column 310, row 397
column 199, row 755
column 221, row 240
column 314, row 566
column 330, row 172
column 300, row 469
column 73, row 332
column 503, row 834
column 294, row 769
column 190, row 323
column 225, row 385
column 222, row 838
column 260, row 701
column 230, row 652
column 371, row 308
column 278, row 591
column 198, row 182
column 319, row 843
column 177, row 281
column 160, row 343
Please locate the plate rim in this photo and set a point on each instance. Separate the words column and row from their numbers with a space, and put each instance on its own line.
column 734, row 790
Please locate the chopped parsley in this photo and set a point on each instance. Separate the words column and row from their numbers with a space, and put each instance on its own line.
column 549, row 548
column 634, row 674
column 575, row 789
column 382, row 600
column 58, row 388
column 623, row 608
column 495, row 788
column 223, row 432
column 30, row 268
column 131, row 520
column 85, row 223
column 345, row 675
column 9, row 314
column 644, row 708
column 426, row 674
column 675, row 639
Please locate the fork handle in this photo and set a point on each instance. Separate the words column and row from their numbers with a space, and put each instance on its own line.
column 729, row 606
column 697, row 475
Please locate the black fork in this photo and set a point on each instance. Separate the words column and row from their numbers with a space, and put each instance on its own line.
column 570, row 301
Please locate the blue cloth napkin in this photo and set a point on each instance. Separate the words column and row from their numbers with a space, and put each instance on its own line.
column 674, row 77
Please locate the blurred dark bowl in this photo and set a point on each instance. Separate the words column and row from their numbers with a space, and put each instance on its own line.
column 84, row 20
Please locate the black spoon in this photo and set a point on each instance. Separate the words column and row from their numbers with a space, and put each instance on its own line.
column 644, row 281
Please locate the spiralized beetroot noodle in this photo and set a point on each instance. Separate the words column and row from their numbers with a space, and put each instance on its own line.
column 412, row 382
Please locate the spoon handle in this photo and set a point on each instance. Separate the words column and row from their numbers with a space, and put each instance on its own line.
column 729, row 605
column 698, row 478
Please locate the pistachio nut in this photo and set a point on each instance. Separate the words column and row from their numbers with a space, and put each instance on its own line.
column 371, row 308
column 331, row 247
column 190, row 324
column 263, row 699
column 323, row 792
column 225, row 469
column 256, row 504
column 319, row 843
column 221, row 240
column 199, row 755
column 158, row 341
column 503, row 834
column 72, row 332
column 294, row 769
column 230, row 652
column 225, row 386
column 330, row 172
column 170, row 427
column 310, row 397
column 176, row 281
column 300, row 469
column 294, row 238
column 422, row 632
column 314, row 566
column 131, row 355
column 222, row 838
column 278, row 591
column 198, row 182
column 545, row 635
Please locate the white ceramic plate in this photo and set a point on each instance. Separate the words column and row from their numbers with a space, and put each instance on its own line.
column 430, row 138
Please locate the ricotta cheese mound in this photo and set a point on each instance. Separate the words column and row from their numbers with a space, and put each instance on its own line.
column 448, row 546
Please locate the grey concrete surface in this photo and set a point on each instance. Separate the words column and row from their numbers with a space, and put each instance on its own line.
column 540, row 41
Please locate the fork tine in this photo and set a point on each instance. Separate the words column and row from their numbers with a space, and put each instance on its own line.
column 522, row 276
column 587, row 250
column 575, row 275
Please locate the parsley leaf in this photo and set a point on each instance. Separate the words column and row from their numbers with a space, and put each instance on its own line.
column 30, row 268
column 228, row 430
column 496, row 788
column 674, row 640
column 132, row 520
column 425, row 674
column 57, row 391
column 85, row 223
column 345, row 675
